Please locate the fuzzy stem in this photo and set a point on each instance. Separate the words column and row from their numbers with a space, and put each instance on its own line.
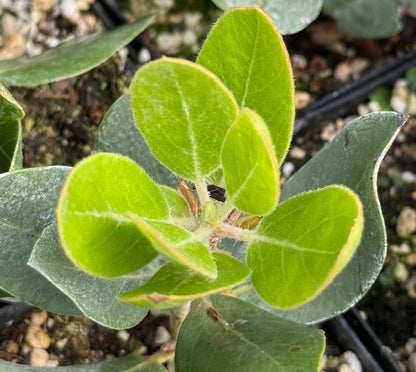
column 202, row 191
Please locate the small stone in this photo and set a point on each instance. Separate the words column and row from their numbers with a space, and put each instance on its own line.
column 398, row 104
column 37, row 338
column 402, row 249
column 297, row 152
column 328, row 132
column 410, row 260
column 411, row 287
column 374, row 106
column 193, row 19
column 43, row 6
column 189, row 37
column 411, row 364
column 409, row 177
column 400, row 89
column 9, row 25
column 11, row 347
column 162, row 336
column 39, row 317
column 364, row 109
column 144, row 55
column 299, row 61
column 288, row 169
column 411, row 104
column 400, row 272
column 410, row 345
column 342, row 72
column 12, row 46
column 349, row 358
column 39, row 357
column 84, row 5
column 302, row 99
column 406, row 222
column 60, row 344
column 344, row 367
column 169, row 43
column 69, row 10
column 123, row 336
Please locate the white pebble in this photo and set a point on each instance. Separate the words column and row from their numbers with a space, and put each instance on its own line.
column 406, row 222
column 409, row 177
column 162, row 336
column 398, row 104
column 400, row 272
column 288, row 169
column 144, row 55
column 352, row 361
column 123, row 336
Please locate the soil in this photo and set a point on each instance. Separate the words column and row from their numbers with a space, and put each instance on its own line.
column 60, row 125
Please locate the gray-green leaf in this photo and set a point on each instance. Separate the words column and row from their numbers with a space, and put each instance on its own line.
column 234, row 336
column 290, row 16
column 27, row 206
column 95, row 297
column 69, row 59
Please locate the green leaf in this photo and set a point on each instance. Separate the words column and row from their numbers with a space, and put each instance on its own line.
column 231, row 335
column 178, row 244
column 10, row 146
column 125, row 364
column 367, row 19
column 250, row 167
column 94, row 296
column 183, row 112
column 91, row 218
column 352, row 159
column 69, row 59
column 10, row 131
column 303, row 244
column 27, row 203
column 290, row 16
column 236, row 50
column 174, row 284
column 178, row 207
column 119, row 133
column 10, row 108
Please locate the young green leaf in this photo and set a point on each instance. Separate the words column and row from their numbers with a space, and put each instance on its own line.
column 28, row 199
column 236, row 50
column 178, row 244
column 175, row 284
column 231, row 335
column 119, row 133
column 290, row 16
column 183, row 112
column 250, row 166
column 94, row 296
column 92, row 224
column 178, row 207
column 69, row 59
column 303, row 244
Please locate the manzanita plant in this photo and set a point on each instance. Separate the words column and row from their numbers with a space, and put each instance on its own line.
column 182, row 208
